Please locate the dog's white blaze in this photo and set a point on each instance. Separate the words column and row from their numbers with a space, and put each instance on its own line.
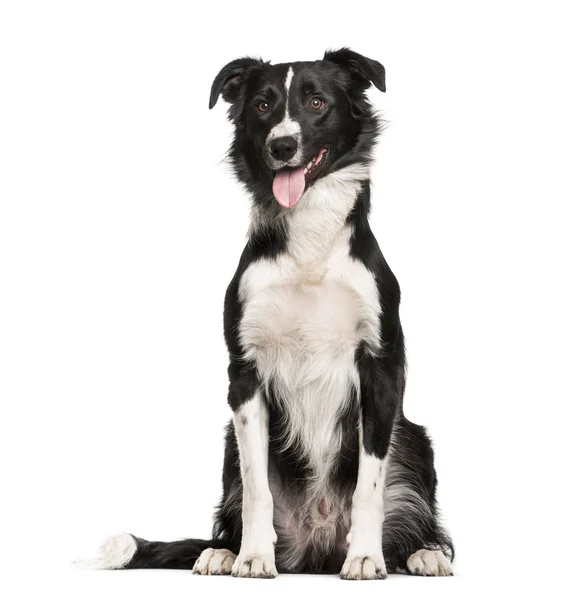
column 287, row 127
column 304, row 315
column 288, row 80
column 258, row 534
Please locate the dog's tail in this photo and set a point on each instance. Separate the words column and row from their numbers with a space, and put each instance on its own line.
column 126, row 551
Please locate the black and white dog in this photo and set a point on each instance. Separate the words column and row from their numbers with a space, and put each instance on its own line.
column 322, row 471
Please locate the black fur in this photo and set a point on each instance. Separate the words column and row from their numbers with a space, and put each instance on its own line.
column 348, row 128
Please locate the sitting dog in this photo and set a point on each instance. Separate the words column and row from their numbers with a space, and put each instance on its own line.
column 322, row 471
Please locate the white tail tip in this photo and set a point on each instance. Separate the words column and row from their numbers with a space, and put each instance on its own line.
column 114, row 553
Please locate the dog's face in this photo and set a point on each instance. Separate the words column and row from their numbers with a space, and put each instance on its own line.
column 297, row 122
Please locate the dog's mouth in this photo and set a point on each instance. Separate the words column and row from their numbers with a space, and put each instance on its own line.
column 315, row 164
column 289, row 184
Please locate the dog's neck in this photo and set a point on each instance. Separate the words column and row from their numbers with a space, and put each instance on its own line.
column 310, row 231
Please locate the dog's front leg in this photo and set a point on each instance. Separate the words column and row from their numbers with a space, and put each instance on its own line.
column 257, row 550
column 377, row 409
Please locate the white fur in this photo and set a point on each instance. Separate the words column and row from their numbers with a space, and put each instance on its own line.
column 258, row 534
column 429, row 563
column 115, row 552
column 365, row 554
column 364, row 567
column 304, row 315
column 214, row 562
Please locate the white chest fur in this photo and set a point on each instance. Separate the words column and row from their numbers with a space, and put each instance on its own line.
column 304, row 314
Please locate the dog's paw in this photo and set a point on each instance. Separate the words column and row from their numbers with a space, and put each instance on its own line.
column 364, row 567
column 254, row 565
column 214, row 562
column 429, row 563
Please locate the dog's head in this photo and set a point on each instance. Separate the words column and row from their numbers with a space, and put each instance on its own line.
column 297, row 122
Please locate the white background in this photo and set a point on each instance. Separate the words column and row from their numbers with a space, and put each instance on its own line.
column 120, row 228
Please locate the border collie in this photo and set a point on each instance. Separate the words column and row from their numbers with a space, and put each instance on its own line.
column 322, row 471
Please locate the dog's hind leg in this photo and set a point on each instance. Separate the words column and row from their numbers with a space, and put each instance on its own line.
column 414, row 541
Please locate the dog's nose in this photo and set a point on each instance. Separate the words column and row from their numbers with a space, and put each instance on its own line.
column 283, row 148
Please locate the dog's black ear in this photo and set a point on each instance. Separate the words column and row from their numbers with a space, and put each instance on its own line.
column 364, row 71
column 229, row 80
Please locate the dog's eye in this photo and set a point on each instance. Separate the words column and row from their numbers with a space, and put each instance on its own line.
column 317, row 103
column 262, row 106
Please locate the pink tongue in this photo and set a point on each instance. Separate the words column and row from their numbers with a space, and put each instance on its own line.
column 289, row 186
